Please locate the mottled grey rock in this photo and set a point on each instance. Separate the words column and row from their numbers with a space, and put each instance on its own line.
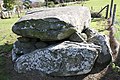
column 77, row 37
column 22, row 47
column 65, row 59
column 105, row 54
column 54, row 23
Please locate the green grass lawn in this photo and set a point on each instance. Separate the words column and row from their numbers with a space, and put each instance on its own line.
column 100, row 23
column 6, row 35
column 7, row 38
column 98, row 4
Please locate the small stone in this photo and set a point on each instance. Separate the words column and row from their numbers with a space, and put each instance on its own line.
column 77, row 37
column 21, row 48
column 84, row 36
column 89, row 32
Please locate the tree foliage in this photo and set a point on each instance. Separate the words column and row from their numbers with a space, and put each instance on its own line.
column 27, row 3
column 18, row 2
column 9, row 4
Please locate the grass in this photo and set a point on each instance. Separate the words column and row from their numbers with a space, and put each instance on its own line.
column 100, row 24
column 3, row 73
column 7, row 37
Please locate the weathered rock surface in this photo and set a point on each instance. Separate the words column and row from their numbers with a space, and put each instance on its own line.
column 26, row 45
column 105, row 56
column 65, row 59
column 54, row 23
column 77, row 37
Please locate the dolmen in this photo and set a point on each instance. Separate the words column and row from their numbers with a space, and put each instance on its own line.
column 59, row 42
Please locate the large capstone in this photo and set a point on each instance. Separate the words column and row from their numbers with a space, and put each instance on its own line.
column 54, row 23
column 64, row 59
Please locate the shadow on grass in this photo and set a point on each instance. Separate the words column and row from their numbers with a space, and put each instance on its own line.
column 4, row 75
column 5, row 52
column 6, row 48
